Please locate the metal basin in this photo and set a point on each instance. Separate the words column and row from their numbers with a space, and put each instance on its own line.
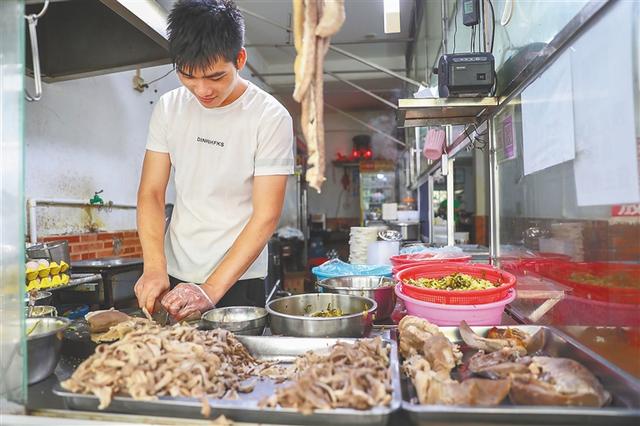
column 40, row 298
column 43, row 346
column 289, row 315
column 107, row 262
column 377, row 288
column 244, row 320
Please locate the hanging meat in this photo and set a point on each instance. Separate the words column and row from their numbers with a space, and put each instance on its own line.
column 314, row 22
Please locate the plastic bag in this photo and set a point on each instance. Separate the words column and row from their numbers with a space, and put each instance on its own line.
column 338, row 268
column 288, row 232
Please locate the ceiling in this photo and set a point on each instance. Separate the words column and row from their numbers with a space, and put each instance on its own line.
column 362, row 34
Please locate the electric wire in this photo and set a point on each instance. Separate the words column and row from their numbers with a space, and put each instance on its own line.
column 146, row 85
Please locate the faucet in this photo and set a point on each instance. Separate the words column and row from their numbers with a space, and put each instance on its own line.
column 97, row 199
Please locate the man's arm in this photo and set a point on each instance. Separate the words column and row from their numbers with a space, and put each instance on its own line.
column 268, row 198
column 151, row 222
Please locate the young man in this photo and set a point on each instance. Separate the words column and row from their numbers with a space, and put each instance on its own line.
column 231, row 147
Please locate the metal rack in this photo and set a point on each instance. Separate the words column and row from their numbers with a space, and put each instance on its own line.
column 441, row 111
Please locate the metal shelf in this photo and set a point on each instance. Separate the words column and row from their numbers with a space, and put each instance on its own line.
column 439, row 111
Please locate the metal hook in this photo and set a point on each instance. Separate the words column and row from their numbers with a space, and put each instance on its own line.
column 35, row 56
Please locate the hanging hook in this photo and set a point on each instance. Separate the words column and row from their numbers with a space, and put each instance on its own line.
column 35, row 56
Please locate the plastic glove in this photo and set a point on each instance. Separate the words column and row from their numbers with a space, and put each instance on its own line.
column 186, row 299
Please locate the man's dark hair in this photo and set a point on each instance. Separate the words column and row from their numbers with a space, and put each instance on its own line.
column 202, row 32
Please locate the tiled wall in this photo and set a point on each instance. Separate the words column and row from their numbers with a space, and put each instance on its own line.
column 100, row 244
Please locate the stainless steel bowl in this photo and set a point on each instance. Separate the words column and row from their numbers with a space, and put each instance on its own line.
column 289, row 315
column 245, row 320
column 39, row 298
column 43, row 346
column 377, row 288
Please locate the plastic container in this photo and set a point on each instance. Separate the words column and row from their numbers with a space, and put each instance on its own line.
column 452, row 315
column 458, row 297
column 562, row 272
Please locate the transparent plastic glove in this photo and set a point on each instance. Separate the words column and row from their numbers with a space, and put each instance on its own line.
column 186, row 299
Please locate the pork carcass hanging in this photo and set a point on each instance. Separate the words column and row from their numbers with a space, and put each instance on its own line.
column 315, row 21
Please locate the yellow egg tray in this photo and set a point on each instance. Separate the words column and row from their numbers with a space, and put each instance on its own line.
column 43, row 269
column 47, row 282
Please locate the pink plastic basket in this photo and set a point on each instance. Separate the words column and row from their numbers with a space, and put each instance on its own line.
column 434, row 144
column 439, row 314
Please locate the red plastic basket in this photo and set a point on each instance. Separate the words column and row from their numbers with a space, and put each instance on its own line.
column 561, row 272
column 422, row 258
column 457, row 297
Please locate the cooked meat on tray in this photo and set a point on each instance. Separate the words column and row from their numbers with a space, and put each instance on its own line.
column 349, row 376
column 502, row 338
column 151, row 361
column 507, row 358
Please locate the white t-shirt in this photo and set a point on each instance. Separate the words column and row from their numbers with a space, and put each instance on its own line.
column 215, row 153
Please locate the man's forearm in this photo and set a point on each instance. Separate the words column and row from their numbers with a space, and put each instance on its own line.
column 240, row 256
column 151, row 223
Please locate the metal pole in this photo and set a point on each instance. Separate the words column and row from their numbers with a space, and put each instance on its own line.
column 494, row 194
column 367, row 125
column 451, row 223
column 430, row 207
column 363, row 90
column 340, row 51
column 289, row 74
column 339, row 43
column 445, row 27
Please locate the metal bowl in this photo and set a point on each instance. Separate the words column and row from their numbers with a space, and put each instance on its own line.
column 43, row 346
column 289, row 315
column 377, row 288
column 245, row 320
column 40, row 298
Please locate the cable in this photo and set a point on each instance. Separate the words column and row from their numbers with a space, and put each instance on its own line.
column 473, row 33
column 455, row 27
column 493, row 26
column 146, row 85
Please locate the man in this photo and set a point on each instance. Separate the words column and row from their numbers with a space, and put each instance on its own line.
column 231, row 147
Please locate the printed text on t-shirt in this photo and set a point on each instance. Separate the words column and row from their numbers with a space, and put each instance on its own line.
column 210, row 142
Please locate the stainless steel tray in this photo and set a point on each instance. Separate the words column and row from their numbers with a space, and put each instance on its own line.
column 625, row 389
column 245, row 409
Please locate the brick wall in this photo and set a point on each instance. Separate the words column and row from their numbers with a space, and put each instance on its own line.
column 100, row 244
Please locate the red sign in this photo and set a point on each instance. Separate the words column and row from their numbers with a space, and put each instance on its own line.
column 625, row 210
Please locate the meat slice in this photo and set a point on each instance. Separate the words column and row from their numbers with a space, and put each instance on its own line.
column 333, row 17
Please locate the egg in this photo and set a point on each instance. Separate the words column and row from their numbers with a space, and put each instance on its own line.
column 32, row 274
column 33, row 285
column 64, row 278
column 55, row 268
column 32, row 265
column 56, row 281
column 43, row 262
column 64, row 266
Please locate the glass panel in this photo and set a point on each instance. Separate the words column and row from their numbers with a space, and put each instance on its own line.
column 569, row 190
column 12, row 344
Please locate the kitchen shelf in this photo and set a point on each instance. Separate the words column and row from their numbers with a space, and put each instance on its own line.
column 439, row 111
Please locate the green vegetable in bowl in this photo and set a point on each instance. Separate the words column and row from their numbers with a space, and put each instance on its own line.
column 455, row 281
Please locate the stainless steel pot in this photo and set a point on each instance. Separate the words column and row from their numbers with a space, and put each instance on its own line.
column 39, row 298
column 52, row 251
column 43, row 346
column 377, row 288
column 244, row 320
column 289, row 315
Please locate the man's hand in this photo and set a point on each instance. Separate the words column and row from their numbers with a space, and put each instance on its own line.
column 150, row 287
column 186, row 299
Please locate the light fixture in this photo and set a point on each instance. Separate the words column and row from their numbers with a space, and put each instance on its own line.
column 391, row 16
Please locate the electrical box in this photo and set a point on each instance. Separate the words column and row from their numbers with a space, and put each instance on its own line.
column 470, row 12
column 466, row 74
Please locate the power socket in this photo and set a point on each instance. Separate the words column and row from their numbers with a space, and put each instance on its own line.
column 470, row 12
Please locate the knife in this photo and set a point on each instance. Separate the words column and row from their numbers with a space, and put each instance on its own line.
column 160, row 314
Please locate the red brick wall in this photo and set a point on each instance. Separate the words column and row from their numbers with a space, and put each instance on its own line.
column 100, row 244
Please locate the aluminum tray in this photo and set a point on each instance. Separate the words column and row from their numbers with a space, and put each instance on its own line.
column 245, row 409
column 624, row 388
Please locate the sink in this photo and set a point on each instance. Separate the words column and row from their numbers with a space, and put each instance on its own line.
column 119, row 275
column 106, row 262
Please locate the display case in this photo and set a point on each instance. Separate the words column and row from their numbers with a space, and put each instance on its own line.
column 566, row 193
column 12, row 342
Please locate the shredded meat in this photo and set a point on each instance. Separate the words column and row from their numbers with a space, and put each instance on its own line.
column 349, row 376
column 150, row 361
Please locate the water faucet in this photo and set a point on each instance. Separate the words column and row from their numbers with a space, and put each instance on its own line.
column 97, row 199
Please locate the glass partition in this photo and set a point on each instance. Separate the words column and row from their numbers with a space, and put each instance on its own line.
column 12, row 342
column 567, row 152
